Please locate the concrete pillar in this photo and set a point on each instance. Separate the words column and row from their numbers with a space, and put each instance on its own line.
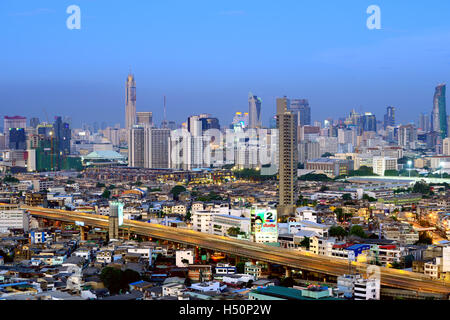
column 288, row 272
column 83, row 233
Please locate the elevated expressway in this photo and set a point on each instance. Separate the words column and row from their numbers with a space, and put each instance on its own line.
column 294, row 259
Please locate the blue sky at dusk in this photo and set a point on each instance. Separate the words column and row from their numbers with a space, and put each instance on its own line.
column 205, row 56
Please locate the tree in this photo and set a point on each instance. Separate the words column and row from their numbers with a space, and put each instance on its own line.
column 337, row 231
column 327, row 154
column 347, row 196
column 421, row 187
column 10, row 179
column 240, row 267
column 100, row 185
column 362, row 171
column 368, row 198
column 112, row 279
column 106, row 194
column 391, row 173
column 314, row 177
column 424, row 238
column 323, row 188
column 287, row 282
column 305, row 243
column 358, row 231
column 176, row 191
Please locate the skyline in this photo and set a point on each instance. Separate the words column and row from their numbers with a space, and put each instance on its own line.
column 208, row 57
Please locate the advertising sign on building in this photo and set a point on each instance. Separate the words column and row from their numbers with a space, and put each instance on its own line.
column 265, row 225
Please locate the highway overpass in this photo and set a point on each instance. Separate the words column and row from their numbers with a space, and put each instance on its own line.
column 301, row 260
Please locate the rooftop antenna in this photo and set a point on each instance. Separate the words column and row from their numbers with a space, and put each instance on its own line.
column 165, row 124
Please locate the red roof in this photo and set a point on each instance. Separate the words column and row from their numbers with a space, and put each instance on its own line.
column 15, row 118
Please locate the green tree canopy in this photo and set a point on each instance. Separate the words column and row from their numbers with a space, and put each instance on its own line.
column 358, row 231
column 337, row 231
column 176, row 191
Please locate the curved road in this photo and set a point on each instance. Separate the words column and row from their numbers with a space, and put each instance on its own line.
column 290, row 258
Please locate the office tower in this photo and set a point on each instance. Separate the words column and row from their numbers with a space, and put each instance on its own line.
column 17, row 139
column 389, row 117
column 130, row 102
column 301, row 108
column 439, row 113
column 369, row 122
column 254, row 111
column 144, row 118
column 62, row 135
column 12, row 122
column 34, row 122
column 407, row 136
column 156, row 148
column 136, row 146
column 287, row 158
column 424, row 122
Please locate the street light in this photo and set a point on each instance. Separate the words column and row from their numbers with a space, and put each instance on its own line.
column 409, row 165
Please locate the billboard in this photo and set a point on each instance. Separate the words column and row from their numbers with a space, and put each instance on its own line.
column 266, row 221
column 116, row 210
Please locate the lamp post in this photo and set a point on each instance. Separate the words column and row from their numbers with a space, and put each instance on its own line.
column 409, row 165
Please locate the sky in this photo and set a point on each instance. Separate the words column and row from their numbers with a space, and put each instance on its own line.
column 207, row 55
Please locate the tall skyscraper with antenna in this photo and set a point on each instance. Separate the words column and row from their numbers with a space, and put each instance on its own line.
column 130, row 102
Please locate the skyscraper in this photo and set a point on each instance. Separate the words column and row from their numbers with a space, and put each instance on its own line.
column 62, row 135
column 130, row 102
column 16, row 122
column 424, row 122
column 369, row 122
column 254, row 111
column 439, row 113
column 389, row 117
column 301, row 108
column 287, row 158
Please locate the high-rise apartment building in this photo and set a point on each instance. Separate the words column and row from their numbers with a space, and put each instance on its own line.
column 301, row 108
column 287, row 158
column 254, row 111
column 136, row 146
column 156, row 148
column 439, row 113
column 130, row 102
